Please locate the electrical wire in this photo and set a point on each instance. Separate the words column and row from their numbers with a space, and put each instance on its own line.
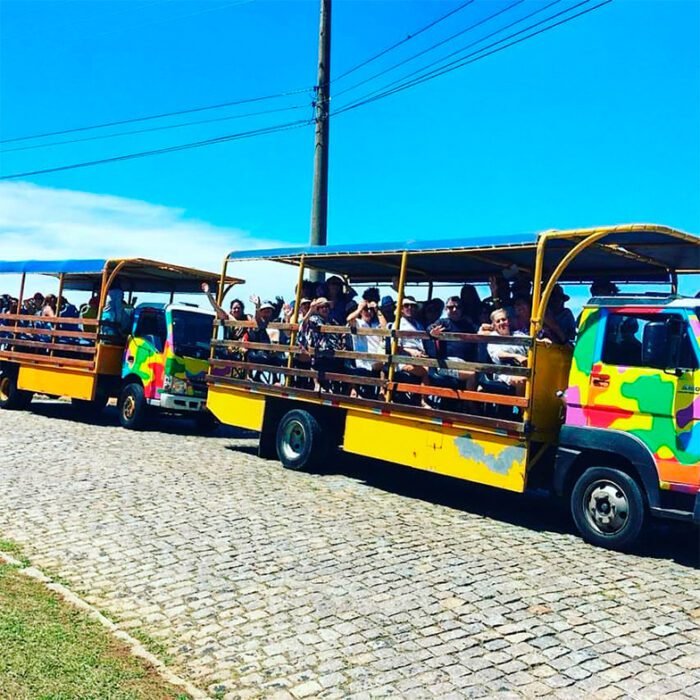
column 403, row 41
column 153, row 128
column 431, row 48
column 169, row 149
column 162, row 115
column 462, row 49
column 473, row 58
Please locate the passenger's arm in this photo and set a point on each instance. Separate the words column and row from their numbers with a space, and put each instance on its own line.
column 220, row 313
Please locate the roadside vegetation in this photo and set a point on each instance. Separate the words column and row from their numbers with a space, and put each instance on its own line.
column 52, row 650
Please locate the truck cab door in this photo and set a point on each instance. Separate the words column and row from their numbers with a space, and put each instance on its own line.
column 645, row 383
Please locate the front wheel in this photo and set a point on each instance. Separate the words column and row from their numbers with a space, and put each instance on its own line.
column 13, row 398
column 300, row 442
column 608, row 507
column 132, row 407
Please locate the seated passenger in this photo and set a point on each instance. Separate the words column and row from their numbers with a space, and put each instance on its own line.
column 365, row 316
column 470, row 303
column 522, row 312
column 323, row 344
column 559, row 324
column 627, row 351
column 505, row 354
column 432, row 310
column 264, row 314
column 454, row 350
column 114, row 321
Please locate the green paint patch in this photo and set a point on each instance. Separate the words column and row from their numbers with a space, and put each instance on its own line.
column 51, row 650
column 585, row 342
column 655, row 398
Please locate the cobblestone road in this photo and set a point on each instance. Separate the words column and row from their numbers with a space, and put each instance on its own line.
column 369, row 581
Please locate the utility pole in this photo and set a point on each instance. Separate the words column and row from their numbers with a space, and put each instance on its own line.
column 319, row 202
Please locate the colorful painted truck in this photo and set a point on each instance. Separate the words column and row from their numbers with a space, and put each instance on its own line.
column 610, row 421
column 149, row 356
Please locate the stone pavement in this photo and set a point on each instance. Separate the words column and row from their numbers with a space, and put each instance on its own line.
column 369, row 581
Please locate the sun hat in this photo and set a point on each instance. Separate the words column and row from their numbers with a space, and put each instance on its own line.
column 409, row 300
column 266, row 305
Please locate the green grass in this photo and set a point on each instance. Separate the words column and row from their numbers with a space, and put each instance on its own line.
column 51, row 651
column 14, row 550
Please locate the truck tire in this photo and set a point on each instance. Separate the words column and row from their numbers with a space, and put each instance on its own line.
column 300, row 441
column 608, row 507
column 11, row 397
column 132, row 407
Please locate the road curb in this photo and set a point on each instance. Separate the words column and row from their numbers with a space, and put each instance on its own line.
column 134, row 645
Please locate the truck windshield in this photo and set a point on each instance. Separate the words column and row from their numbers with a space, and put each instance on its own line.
column 191, row 333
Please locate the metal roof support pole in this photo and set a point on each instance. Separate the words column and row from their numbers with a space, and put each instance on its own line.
column 295, row 319
column 20, row 299
column 58, row 302
column 397, row 325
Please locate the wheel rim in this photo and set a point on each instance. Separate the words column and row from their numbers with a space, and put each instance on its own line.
column 606, row 507
column 4, row 388
column 129, row 407
column 293, row 440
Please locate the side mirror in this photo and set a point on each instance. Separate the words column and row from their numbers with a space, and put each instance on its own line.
column 655, row 345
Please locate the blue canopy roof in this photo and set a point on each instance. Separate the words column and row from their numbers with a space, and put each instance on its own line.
column 135, row 274
column 51, row 267
column 631, row 252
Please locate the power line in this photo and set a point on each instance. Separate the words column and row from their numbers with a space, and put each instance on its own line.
column 404, row 40
column 462, row 49
column 154, row 128
column 433, row 47
column 170, row 149
column 473, row 58
column 162, row 115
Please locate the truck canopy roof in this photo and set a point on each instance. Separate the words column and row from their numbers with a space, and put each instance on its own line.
column 134, row 274
column 626, row 253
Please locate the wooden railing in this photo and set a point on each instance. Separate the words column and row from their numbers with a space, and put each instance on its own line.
column 50, row 342
column 301, row 365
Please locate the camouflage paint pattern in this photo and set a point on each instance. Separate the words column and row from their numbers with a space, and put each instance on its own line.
column 659, row 408
column 152, row 366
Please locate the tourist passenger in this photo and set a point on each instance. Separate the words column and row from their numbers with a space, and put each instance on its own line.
column 322, row 345
column 337, row 299
column 115, row 319
column 513, row 354
column 470, row 303
column 432, row 310
column 559, row 324
column 366, row 316
column 522, row 312
column 387, row 308
column 454, row 350
column 412, row 347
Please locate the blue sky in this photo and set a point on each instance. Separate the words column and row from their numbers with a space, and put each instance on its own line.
column 595, row 122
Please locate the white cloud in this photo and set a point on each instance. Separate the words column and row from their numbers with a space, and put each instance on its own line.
column 44, row 223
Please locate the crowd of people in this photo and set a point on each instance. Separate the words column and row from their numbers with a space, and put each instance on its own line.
column 114, row 320
column 505, row 312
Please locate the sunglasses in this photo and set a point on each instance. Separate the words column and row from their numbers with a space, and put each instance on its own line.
column 451, row 308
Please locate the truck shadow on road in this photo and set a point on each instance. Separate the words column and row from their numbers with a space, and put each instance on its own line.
column 538, row 511
column 109, row 418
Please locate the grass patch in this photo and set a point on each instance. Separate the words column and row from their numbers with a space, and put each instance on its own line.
column 51, row 650
column 13, row 549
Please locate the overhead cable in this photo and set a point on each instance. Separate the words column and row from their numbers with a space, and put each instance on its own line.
column 169, row 149
column 162, row 115
column 153, row 128
column 407, row 38
column 432, row 47
column 473, row 57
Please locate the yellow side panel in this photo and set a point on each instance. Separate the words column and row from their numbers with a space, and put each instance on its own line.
column 236, row 408
column 109, row 359
column 552, row 365
column 489, row 459
column 60, row 381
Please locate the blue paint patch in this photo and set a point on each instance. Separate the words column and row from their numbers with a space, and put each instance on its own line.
column 501, row 463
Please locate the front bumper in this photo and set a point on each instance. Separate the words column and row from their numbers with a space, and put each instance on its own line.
column 179, row 402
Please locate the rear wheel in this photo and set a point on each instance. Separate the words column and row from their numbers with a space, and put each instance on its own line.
column 608, row 507
column 300, row 442
column 11, row 397
column 132, row 407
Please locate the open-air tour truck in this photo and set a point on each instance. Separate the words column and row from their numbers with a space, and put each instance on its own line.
column 149, row 356
column 610, row 422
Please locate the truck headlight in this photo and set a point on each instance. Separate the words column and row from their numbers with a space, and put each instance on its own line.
column 178, row 386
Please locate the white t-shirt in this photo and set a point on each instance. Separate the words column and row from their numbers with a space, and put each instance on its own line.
column 373, row 344
column 411, row 343
column 495, row 351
